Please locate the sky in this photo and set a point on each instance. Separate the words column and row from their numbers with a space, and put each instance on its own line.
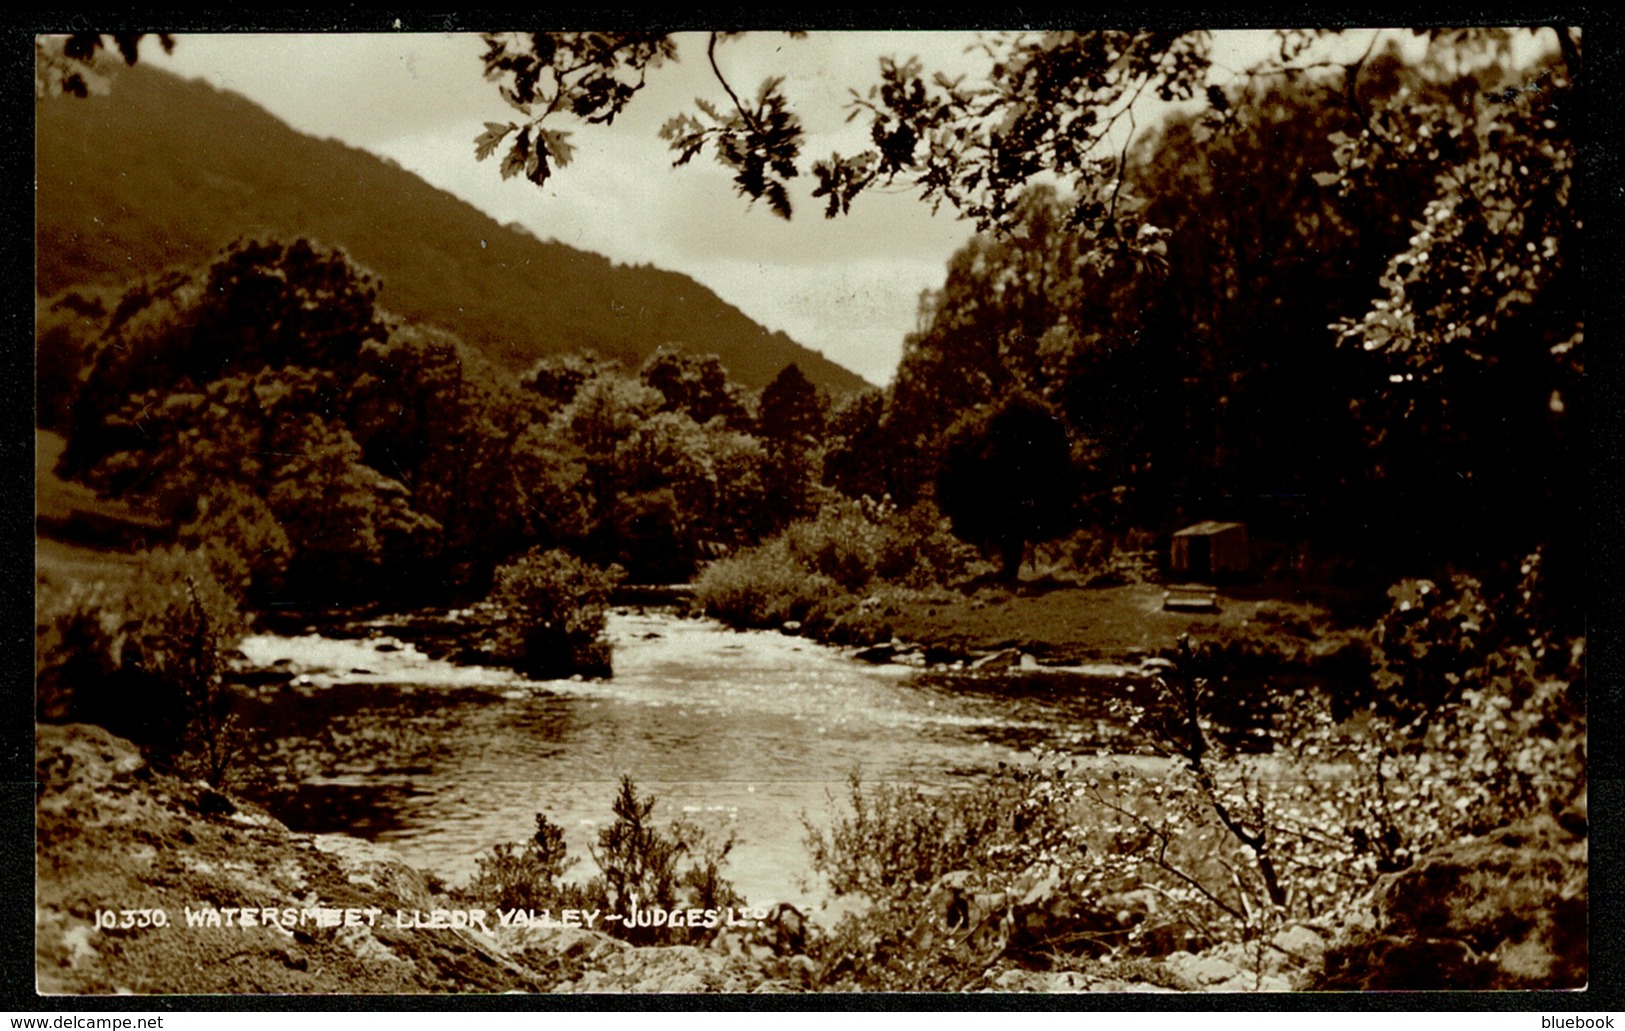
column 849, row 287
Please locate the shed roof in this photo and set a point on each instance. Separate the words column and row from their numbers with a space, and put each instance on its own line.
column 1208, row 527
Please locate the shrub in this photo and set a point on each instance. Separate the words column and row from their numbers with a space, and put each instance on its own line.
column 527, row 876
column 763, row 586
column 641, row 867
column 953, row 880
column 550, row 611
column 1477, row 721
column 817, row 570
column 1212, row 844
column 146, row 661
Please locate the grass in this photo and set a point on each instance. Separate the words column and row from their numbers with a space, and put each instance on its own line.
column 1061, row 623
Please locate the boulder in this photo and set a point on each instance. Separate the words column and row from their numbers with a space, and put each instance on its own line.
column 997, row 662
column 1506, row 910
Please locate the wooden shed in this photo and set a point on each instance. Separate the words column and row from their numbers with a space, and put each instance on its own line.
column 1210, row 549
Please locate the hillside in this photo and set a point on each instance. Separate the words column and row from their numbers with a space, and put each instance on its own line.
column 165, row 171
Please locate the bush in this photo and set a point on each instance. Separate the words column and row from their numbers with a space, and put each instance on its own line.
column 762, row 587
column 550, row 611
column 1476, row 722
column 641, row 867
column 954, row 881
column 512, row 876
column 1215, row 844
column 146, row 661
column 817, row 571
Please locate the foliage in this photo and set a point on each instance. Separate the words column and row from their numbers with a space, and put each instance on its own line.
column 1340, row 802
column 791, row 424
column 859, row 448
column 146, row 661
column 549, row 609
column 696, row 385
column 590, row 75
column 1196, row 841
column 762, row 587
column 642, row 867
column 897, row 842
column 818, row 571
column 1049, row 106
column 68, row 65
column 557, row 377
column 663, row 490
column 526, row 876
column 1008, row 478
column 1479, row 324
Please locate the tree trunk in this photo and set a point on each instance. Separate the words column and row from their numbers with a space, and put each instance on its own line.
column 1011, row 552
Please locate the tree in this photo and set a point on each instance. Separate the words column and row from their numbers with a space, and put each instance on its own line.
column 1049, row 108
column 792, row 426
column 551, row 610
column 696, row 385
column 67, row 64
column 1478, row 321
column 557, row 377
column 1007, row 478
column 859, row 448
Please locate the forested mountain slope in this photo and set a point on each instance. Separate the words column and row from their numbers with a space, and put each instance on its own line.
column 165, row 171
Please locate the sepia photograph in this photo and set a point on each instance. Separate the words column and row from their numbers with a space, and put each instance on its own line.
column 630, row 512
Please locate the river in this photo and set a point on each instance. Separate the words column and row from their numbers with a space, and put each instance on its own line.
column 744, row 732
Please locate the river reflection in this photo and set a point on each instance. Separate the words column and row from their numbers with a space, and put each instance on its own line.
column 743, row 732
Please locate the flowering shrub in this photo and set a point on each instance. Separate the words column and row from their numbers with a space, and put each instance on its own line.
column 1194, row 841
column 1465, row 734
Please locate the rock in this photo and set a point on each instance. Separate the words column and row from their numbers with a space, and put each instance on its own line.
column 1302, row 943
column 791, row 626
column 997, row 662
column 1506, row 910
column 876, row 653
column 1043, row 981
column 212, row 803
column 82, row 754
column 1203, row 970
column 373, row 866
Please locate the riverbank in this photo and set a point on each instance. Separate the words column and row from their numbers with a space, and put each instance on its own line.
column 116, row 834
column 248, row 906
column 251, row 907
column 1048, row 625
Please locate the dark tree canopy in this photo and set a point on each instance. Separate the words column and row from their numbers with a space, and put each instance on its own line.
column 792, row 410
column 1007, row 478
column 694, row 384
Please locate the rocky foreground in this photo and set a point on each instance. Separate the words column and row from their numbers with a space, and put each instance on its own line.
column 115, row 834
